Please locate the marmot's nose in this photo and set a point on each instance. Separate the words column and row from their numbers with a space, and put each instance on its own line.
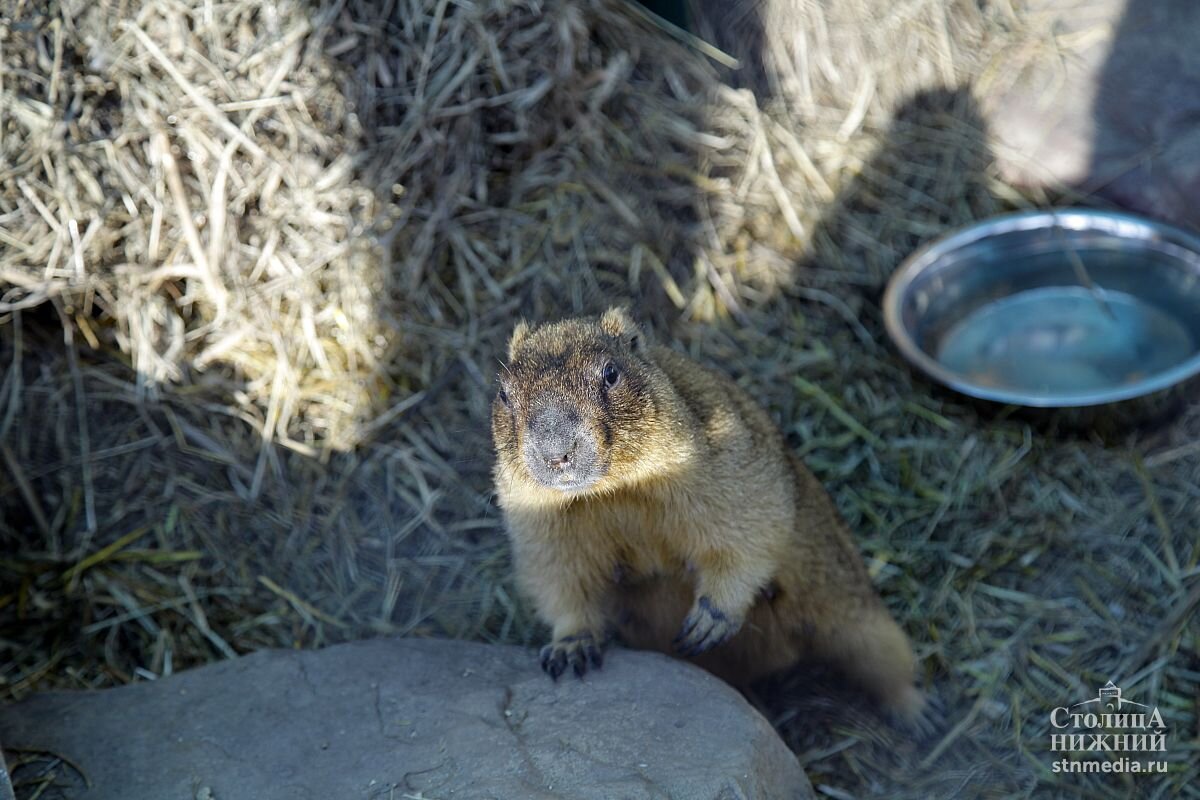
column 559, row 461
column 555, row 437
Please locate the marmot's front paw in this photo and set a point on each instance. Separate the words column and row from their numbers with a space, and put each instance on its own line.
column 580, row 651
column 706, row 627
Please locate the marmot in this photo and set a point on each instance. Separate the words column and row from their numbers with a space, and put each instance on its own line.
column 647, row 495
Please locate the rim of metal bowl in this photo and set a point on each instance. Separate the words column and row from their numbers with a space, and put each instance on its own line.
column 1117, row 223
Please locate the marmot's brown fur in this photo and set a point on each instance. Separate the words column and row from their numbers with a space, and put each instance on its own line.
column 648, row 495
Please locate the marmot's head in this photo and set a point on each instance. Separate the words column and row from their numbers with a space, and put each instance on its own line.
column 577, row 405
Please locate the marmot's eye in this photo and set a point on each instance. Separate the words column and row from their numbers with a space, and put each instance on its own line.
column 502, row 396
column 611, row 374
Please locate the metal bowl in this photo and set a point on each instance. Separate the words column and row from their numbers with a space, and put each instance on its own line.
column 1056, row 309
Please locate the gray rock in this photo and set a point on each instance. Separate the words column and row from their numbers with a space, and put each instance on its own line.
column 407, row 718
column 6, row 789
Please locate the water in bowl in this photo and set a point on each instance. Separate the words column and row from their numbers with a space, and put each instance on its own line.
column 1061, row 339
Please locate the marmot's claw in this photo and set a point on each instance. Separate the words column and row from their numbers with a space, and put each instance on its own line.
column 580, row 651
column 595, row 656
column 705, row 627
column 554, row 661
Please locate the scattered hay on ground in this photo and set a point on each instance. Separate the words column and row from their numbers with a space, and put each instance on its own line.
column 286, row 242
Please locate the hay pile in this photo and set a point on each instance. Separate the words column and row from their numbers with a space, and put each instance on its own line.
column 286, row 241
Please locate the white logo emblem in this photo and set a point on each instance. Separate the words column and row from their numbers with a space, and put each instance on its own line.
column 1108, row 723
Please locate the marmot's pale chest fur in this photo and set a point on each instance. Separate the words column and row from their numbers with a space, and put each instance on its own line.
column 649, row 496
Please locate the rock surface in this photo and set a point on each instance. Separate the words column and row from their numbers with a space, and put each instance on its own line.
column 6, row 789
column 413, row 718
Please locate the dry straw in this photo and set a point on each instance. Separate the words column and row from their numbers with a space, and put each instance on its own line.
column 285, row 242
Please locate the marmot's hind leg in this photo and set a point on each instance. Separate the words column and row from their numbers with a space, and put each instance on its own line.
column 872, row 650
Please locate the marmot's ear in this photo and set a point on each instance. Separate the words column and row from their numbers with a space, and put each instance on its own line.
column 617, row 322
column 518, row 335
